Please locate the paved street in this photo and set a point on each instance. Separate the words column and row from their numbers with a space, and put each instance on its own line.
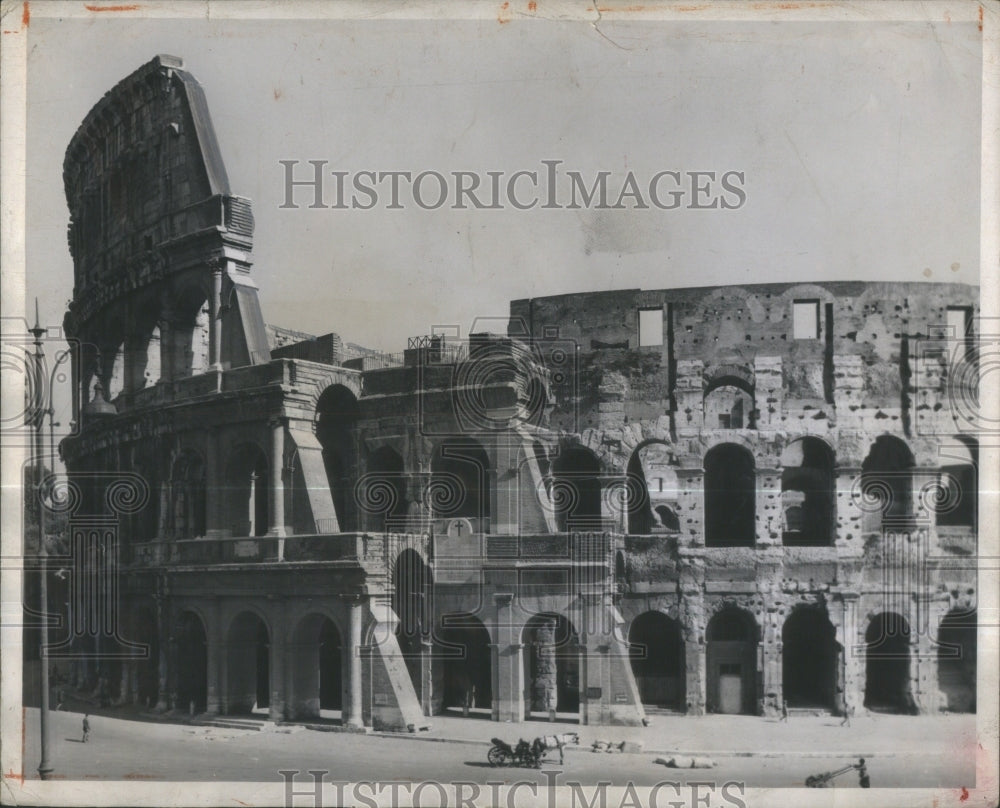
column 901, row 751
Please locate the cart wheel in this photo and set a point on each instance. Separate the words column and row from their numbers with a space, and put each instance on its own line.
column 496, row 756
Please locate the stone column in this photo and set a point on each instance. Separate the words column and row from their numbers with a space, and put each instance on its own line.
column 508, row 688
column 853, row 653
column 166, row 324
column 691, row 503
column 125, row 694
column 215, row 654
column 215, row 488
column 850, row 527
column 165, row 633
column 277, row 509
column 848, row 391
column 504, row 482
column 771, row 654
column 215, row 323
column 171, row 676
column 769, row 520
column 353, row 715
column 768, row 392
column 689, row 391
column 495, row 681
column 278, row 682
column 693, row 620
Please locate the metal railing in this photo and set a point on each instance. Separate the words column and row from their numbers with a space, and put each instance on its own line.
column 439, row 350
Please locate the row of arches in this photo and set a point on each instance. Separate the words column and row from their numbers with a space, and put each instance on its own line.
column 164, row 342
column 317, row 664
column 808, row 490
column 462, row 480
column 811, row 661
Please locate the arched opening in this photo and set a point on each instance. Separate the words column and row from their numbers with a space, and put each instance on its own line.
column 385, row 487
column 887, row 664
column 576, row 489
column 653, row 490
column 959, row 464
column 460, row 482
column 336, row 420
column 145, row 349
column 317, row 669
column 192, row 663
column 190, row 334
column 551, row 666
column 731, row 659
column 247, row 487
column 148, row 371
column 957, row 660
column 730, row 497
column 411, row 601
column 887, row 484
column 465, row 651
column 809, row 659
column 187, row 495
column 807, row 493
column 656, row 650
column 729, row 405
column 116, row 374
column 668, row 518
column 248, row 665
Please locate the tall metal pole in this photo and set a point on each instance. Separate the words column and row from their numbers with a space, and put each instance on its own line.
column 38, row 416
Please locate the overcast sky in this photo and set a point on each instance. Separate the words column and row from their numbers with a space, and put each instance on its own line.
column 859, row 144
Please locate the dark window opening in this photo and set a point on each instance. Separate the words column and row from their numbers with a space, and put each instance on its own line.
column 248, row 665
column 384, row 486
column 887, row 485
column 576, row 494
column 466, row 658
column 887, row 665
column 336, row 417
column 809, row 660
column 807, row 493
column 957, row 660
column 959, row 479
column 657, row 654
column 731, row 660
column 730, row 497
column 651, row 503
column 460, row 479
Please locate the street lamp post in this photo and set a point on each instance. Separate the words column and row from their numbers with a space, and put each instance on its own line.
column 38, row 421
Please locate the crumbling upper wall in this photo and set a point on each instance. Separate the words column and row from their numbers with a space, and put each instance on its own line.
column 145, row 151
column 725, row 335
column 145, row 184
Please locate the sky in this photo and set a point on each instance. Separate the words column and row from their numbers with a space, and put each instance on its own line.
column 859, row 144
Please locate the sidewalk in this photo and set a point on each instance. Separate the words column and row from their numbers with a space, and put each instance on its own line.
column 874, row 735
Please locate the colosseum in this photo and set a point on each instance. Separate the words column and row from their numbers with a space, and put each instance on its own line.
column 742, row 499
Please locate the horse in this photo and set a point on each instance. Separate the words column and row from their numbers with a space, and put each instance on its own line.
column 547, row 743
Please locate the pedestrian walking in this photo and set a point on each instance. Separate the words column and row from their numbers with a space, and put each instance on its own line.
column 784, row 710
column 86, row 727
column 846, row 720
